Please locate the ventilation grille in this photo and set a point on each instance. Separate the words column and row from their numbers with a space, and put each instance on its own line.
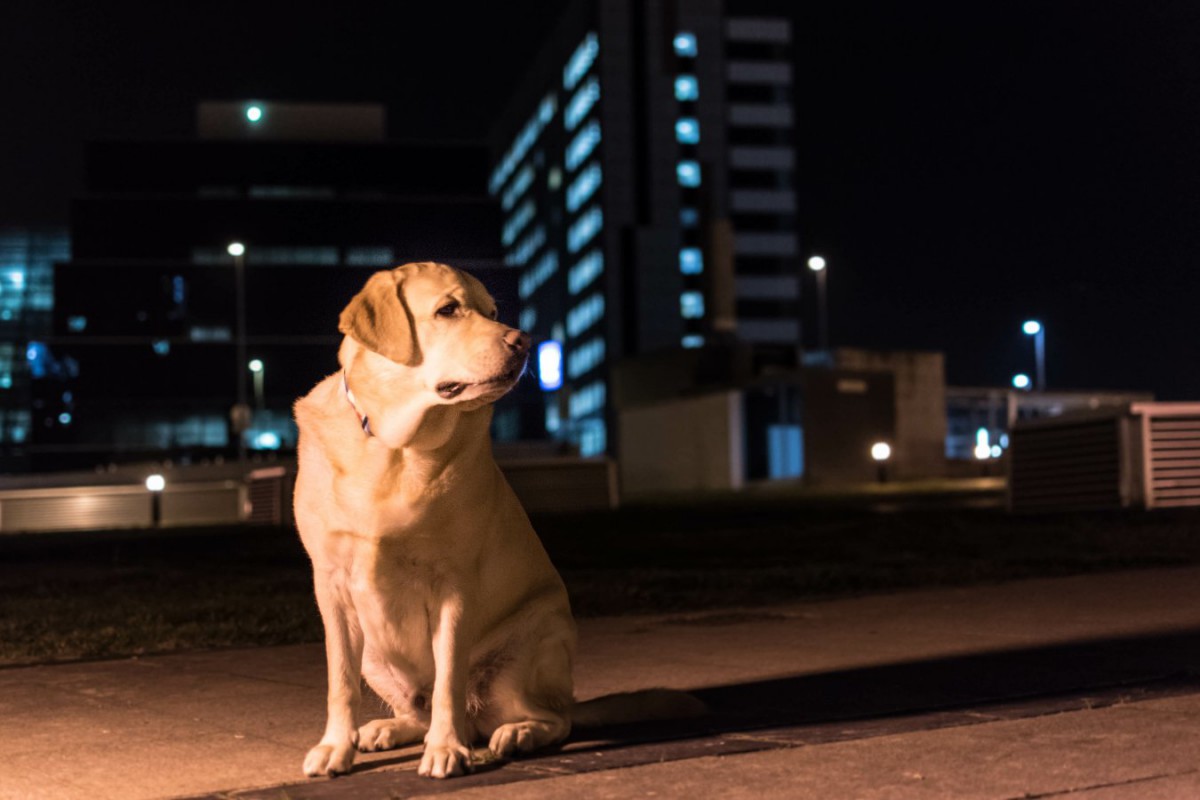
column 1174, row 455
column 1068, row 466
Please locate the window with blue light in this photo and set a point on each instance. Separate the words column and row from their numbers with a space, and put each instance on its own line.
column 523, row 141
column 585, row 357
column 586, row 270
column 518, row 186
column 517, row 222
column 549, row 361
column 581, row 103
column 585, row 315
column 689, row 217
column 588, row 399
column 593, row 438
column 687, row 130
column 584, row 229
column 685, row 44
column 580, row 61
column 688, row 173
column 583, row 144
column 691, row 305
column 692, row 341
column 583, row 187
column 687, row 89
column 526, row 248
column 528, row 318
column 533, row 278
column 691, row 261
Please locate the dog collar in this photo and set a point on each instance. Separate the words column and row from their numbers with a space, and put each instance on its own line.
column 362, row 419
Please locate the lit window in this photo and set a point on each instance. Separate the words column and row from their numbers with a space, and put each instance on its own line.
column 588, row 399
column 689, row 217
column 686, row 88
column 583, row 187
column 533, row 278
column 583, row 144
column 688, row 173
column 528, row 318
column 691, row 261
column 685, row 44
column 523, row 141
column 75, row 324
column 580, row 61
column 691, row 305
column 525, row 248
column 581, row 103
column 517, row 222
column 584, row 229
column 517, row 187
column 593, row 438
column 692, row 340
column 586, row 270
column 585, row 315
column 161, row 347
column 549, row 360
column 687, row 130
column 585, row 357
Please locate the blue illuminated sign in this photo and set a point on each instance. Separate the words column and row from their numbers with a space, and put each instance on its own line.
column 550, row 359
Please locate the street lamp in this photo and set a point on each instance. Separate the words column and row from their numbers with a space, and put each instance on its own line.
column 817, row 265
column 1035, row 329
column 240, row 414
column 155, row 485
column 256, row 368
column 880, row 453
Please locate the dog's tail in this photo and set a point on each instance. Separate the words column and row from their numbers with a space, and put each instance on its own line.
column 647, row 705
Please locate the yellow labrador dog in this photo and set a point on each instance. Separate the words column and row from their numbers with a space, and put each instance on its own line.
column 432, row 584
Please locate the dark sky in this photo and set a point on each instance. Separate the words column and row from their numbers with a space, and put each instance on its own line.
column 964, row 165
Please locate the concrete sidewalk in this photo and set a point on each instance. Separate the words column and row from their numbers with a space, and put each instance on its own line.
column 1088, row 685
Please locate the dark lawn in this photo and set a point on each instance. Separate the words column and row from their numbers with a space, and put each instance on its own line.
column 69, row 596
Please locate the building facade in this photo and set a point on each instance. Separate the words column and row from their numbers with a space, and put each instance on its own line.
column 147, row 306
column 646, row 176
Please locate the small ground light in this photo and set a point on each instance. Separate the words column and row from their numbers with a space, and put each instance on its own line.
column 255, row 365
column 881, row 452
column 156, row 483
column 236, row 249
column 254, row 113
column 816, row 263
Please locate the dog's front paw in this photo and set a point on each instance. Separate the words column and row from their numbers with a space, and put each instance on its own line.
column 329, row 759
column 445, row 760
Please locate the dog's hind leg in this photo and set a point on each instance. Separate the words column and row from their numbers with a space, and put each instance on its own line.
column 528, row 710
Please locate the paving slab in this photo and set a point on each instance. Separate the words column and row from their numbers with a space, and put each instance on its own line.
column 784, row 682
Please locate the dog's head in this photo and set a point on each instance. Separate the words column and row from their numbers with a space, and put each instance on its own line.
column 437, row 327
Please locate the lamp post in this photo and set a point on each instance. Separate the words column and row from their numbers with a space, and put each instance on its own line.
column 1037, row 330
column 155, row 485
column 817, row 265
column 240, row 415
column 880, row 453
column 256, row 369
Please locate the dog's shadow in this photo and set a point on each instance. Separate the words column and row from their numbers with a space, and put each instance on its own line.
column 925, row 694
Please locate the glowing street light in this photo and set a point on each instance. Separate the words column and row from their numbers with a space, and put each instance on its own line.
column 259, row 372
column 239, row 416
column 817, row 265
column 880, row 453
column 155, row 484
column 1021, row 381
column 236, row 249
column 1032, row 327
column 254, row 113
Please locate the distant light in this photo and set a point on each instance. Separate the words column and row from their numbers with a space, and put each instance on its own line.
column 687, row 130
column 267, row 440
column 256, row 365
column 17, row 278
column 881, row 451
column 236, row 249
column 685, row 44
column 1004, row 440
column 996, row 451
column 692, row 341
column 550, row 375
column 254, row 113
column 1032, row 327
column 691, row 261
column 64, row 418
column 6, row 381
column 75, row 324
column 1021, row 381
column 156, row 483
column 983, row 452
column 686, row 88
column 816, row 263
column 688, row 173
column 161, row 347
column 982, row 437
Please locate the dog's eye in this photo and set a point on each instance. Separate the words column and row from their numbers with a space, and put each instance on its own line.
column 448, row 310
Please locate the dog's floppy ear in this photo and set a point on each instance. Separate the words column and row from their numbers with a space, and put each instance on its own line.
column 380, row 319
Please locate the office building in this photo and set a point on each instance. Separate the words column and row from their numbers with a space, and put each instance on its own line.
column 646, row 172
column 147, row 307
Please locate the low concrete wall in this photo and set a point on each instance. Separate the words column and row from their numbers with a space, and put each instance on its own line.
column 682, row 445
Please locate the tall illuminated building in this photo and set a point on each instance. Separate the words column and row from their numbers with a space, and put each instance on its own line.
column 646, row 175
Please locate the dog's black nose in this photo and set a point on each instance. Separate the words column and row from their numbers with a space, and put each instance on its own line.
column 517, row 341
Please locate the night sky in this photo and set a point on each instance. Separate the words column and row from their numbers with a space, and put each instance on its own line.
column 964, row 165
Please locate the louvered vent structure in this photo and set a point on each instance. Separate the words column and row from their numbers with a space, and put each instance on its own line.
column 1066, row 464
column 1172, row 455
column 1147, row 455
